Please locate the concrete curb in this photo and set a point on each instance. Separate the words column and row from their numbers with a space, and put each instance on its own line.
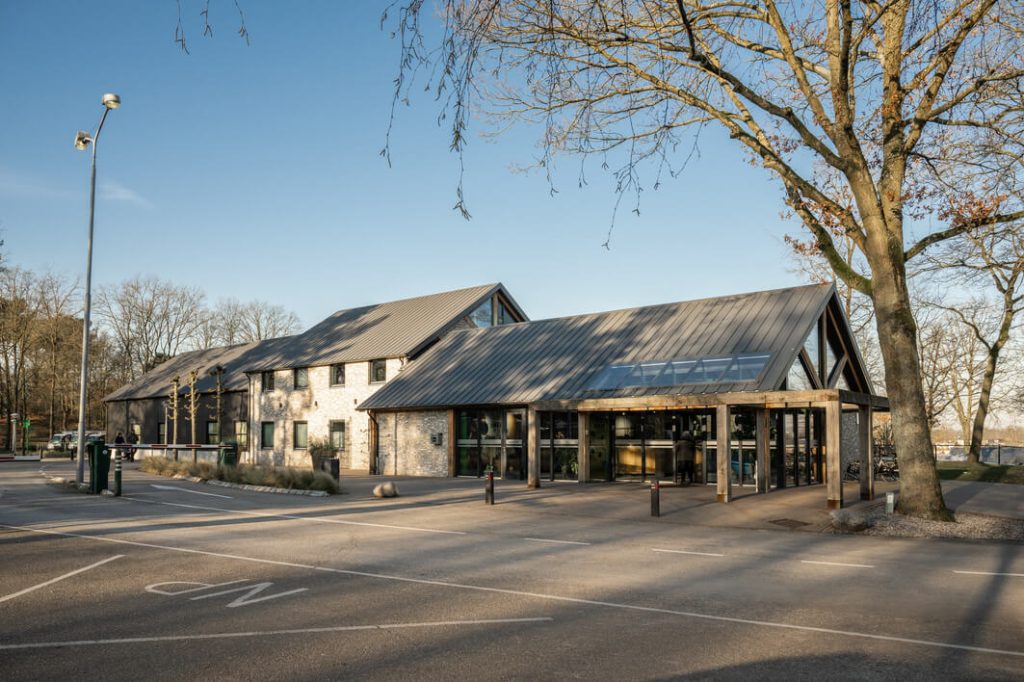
column 268, row 489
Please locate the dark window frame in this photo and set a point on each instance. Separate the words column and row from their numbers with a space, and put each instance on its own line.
column 267, row 380
column 295, row 435
column 209, row 423
column 263, row 435
column 384, row 365
column 344, row 434
column 341, row 366
column 296, row 373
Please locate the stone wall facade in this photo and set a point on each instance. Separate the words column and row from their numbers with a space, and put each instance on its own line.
column 404, row 443
column 318, row 405
column 849, row 448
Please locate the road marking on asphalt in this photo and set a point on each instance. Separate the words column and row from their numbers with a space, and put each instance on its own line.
column 1012, row 575
column 535, row 595
column 62, row 577
column 294, row 517
column 835, row 563
column 557, row 542
column 186, row 490
column 682, row 551
column 275, row 633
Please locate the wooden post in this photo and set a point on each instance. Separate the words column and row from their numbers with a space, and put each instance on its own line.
column 762, row 435
column 724, row 450
column 867, row 455
column 532, row 448
column 583, row 456
column 833, row 459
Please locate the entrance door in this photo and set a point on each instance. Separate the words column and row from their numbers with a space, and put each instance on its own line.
column 600, row 438
column 513, row 466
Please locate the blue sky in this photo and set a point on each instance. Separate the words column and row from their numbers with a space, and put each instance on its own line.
column 254, row 172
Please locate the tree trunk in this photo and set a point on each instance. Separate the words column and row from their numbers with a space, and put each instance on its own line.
column 920, row 492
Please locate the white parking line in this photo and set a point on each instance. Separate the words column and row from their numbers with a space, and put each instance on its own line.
column 1012, row 575
column 557, row 542
column 539, row 595
column 272, row 633
column 296, row 518
column 186, row 490
column 59, row 578
column 835, row 563
column 682, row 551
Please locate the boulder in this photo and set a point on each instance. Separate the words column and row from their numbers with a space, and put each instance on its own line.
column 387, row 489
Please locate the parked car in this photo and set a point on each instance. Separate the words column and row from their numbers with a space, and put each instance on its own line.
column 59, row 442
column 90, row 437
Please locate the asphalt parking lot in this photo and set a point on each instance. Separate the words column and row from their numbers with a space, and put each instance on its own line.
column 187, row 581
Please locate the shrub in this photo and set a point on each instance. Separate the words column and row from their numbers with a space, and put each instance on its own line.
column 283, row 477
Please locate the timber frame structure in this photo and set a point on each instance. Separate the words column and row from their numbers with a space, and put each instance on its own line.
column 773, row 365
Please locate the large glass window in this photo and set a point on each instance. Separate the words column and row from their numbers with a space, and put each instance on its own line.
column 483, row 315
column 267, row 435
column 242, row 434
column 813, row 350
column 300, row 435
column 301, row 375
column 338, row 375
column 212, row 433
column 337, row 435
column 378, row 371
column 798, row 379
column 490, row 438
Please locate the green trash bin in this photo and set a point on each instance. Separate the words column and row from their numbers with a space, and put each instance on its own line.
column 99, row 466
column 228, row 455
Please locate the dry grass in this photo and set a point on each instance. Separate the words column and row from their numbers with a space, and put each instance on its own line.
column 986, row 473
column 277, row 477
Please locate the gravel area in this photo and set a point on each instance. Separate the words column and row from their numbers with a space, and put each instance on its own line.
column 966, row 527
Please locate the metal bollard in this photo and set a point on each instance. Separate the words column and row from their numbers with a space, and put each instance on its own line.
column 655, row 498
column 489, row 489
column 117, row 472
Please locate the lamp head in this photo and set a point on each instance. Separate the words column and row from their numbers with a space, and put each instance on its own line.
column 82, row 140
column 111, row 101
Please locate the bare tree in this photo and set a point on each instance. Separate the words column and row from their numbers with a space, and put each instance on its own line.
column 937, row 361
column 19, row 326
column 994, row 258
column 57, row 305
column 855, row 94
column 152, row 320
column 193, row 406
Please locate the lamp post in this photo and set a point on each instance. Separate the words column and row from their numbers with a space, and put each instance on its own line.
column 82, row 142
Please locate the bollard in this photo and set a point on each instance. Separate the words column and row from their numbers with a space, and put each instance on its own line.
column 890, row 502
column 117, row 472
column 655, row 498
column 489, row 489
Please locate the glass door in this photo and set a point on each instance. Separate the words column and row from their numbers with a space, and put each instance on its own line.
column 513, row 466
column 600, row 446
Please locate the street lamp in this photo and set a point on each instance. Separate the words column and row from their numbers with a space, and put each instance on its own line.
column 82, row 142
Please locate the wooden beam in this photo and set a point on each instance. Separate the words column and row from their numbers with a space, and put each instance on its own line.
column 583, row 471
column 532, row 448
column 724, row 443
column 867, row 455
column 710, row 401
column 875, row 402
column 833, row 460
column 837, row 371
column 762, row 436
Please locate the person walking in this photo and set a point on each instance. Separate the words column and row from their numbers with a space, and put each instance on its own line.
column 132, row 440
column 684, row 456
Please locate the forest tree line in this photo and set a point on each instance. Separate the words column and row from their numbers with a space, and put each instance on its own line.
column 136, row 325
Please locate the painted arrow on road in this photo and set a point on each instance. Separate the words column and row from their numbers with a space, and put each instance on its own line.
column 186, row 490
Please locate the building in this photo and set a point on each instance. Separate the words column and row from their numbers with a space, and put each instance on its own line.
column 279, row 395
column 605, row 396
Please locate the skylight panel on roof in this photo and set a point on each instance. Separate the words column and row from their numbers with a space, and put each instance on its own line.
column 668, row 373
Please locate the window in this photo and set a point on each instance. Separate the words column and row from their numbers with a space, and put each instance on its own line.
column 267, row 380
column 300, row 435
column 161, row 432
column 267, row 435
column 378, row 371
column 337, row 435
column 666, row 374
column 481, row 317
column 242, row 434
column 301, row 377
column 212, row 433
column 337, row 375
